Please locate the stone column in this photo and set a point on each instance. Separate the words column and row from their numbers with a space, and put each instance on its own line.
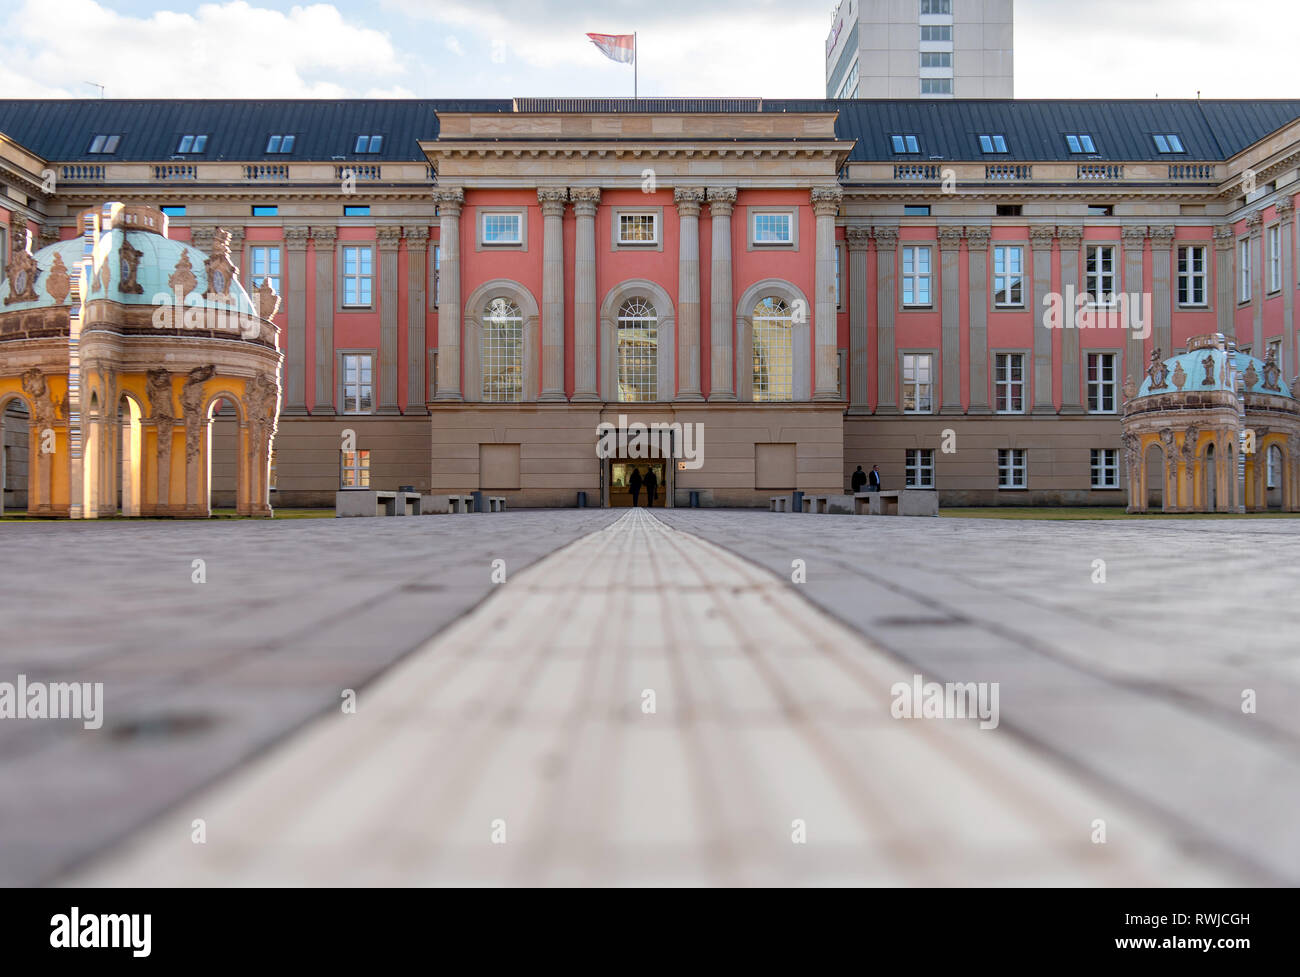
column 552, row 200
column 417, row 246
column 886, row 311
column 295, row 369
column 858, row 238
column 826, row 205
column 1286, row 217
column 323, row 239
column 390, row 242
column 722, row 383
column 1162, row 243
column 1255, row 228
column 1133, row 239
column 977, row 257
column 586, row 200
column 950, row 308
column 688, row 201
column 450, row 200
column 1071, row 403
column 1225, row 278
column 1040, row 245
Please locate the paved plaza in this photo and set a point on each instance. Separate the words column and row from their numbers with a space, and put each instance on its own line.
column 651, row 699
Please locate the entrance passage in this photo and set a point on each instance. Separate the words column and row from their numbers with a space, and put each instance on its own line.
column 620, row 483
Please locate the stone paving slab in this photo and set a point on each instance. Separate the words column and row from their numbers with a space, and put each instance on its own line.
column 527, row 716
column 200, row 677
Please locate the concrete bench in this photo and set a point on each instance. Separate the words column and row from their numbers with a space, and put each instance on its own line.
column 408, row 504
column 897, row 502
column 460, row 503
column 816, row 503
column 365, row 502
column 496, row 503
column 779, row 503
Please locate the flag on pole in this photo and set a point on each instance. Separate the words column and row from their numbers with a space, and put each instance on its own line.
column 616, row 47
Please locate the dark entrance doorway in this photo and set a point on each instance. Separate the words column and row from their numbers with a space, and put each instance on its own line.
column 620, row 493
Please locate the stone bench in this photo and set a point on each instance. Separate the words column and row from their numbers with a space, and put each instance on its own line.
column 897, row 502
column 834, row 504
column 779, row 503
column 366, row 502
column 496, row 503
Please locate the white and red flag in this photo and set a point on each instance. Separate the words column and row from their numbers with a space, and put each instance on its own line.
column 616, row 47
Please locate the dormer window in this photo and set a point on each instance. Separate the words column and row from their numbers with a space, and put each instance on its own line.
column 1080, row 143
column 192, row 144
column 993, row 144
column 905, row 144
column 369, row 144
column 1168, row 142
column 104, row 144
column 280, row 144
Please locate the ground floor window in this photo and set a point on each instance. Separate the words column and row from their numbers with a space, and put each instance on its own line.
column 1012, row 468
column 1105, row 468
column 355, row 471
column 920, row 468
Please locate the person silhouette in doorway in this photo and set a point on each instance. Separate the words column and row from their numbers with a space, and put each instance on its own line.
column 651, row 486
column 634, row 483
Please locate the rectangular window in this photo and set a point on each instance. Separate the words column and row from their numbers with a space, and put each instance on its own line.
column 1192, row 276
column 1010, row 210
column 503, row 228
column 192, row 144
column 265, row 210
column 1009, row 277
column 1105, row 468
column 1168, row 143
column 104, row 144
column 936, row 7
column 358, row 275
column 773, row 229
column 1013, row 468
column 280, row 144
column 358, row 383
column 638, row 228
column 354, row 469
column 368, row 144
column 905, row 144
column 916, row 210
column 1009, row 383
column 936, row 86
column 356, row 211
column 993, row 144
column 1244, row 250
column 1275, row 259
column 918, row 385
column 1101, row 383
column 920, row 468
column 173, row 210
column 916, row 276
column 1275, row 351
column 264, row 262
column 936, row 32
column 1080, row 143
column 1101, row 210
column 1101, row 274
column 936, row 59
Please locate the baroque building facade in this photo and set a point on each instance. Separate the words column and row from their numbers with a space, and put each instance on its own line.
column 965, row 293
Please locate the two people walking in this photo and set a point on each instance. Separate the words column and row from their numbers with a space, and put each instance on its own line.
column 861, row 478
column 650, row 483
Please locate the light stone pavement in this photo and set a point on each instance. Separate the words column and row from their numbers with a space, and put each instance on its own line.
column 201, row 677
column 516, row 747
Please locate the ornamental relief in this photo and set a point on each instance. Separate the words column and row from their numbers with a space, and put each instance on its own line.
column 22, row 273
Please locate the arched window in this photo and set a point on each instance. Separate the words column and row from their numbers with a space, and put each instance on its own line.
column 638, row 351
column 773, row 350
column 502, row 351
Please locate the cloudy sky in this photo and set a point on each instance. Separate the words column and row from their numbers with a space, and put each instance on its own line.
column 504, row 48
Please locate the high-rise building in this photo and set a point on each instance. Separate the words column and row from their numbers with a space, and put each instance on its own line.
column 921, row 48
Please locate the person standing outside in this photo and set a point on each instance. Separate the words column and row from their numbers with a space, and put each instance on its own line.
column 859, row 479
column 873, row 480
column 651, row 485
column 634, row 483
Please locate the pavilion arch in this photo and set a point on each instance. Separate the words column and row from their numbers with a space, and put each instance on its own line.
column 17, row 431
column 244, row 474
column 472, row 342
column 666, row 344
column 128, row 469
column 802, row 353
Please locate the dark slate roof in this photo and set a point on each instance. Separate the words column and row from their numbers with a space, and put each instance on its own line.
column 61, row 129
column 1035, row 129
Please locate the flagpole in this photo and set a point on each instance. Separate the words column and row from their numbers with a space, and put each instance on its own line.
column 635, row 66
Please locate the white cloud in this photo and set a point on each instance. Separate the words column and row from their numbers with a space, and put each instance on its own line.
column 231, row 50
column 453, row 45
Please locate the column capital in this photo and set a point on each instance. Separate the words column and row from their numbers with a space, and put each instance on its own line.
column 1133, row 236
column 949, row 238
column 1071, row 237
column 1225, row 237
column 1040, row 237
column 977, row 238
column 416, row 237
column 50, row 234
column 324, row 237
column 585, row 200
column 296, row 237
column 826, row 200
column 886, row 238
column 857, row 236
column 449, row 200
column 389, row 237
column 1162, row 237
column 1285, row 209
column 202, row 236
column 722, row 201
column 688, row 200
column 1255, row 222
column 552, row 200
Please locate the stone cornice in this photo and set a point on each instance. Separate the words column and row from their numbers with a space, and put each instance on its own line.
column 858, row 237
column 630, row 149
